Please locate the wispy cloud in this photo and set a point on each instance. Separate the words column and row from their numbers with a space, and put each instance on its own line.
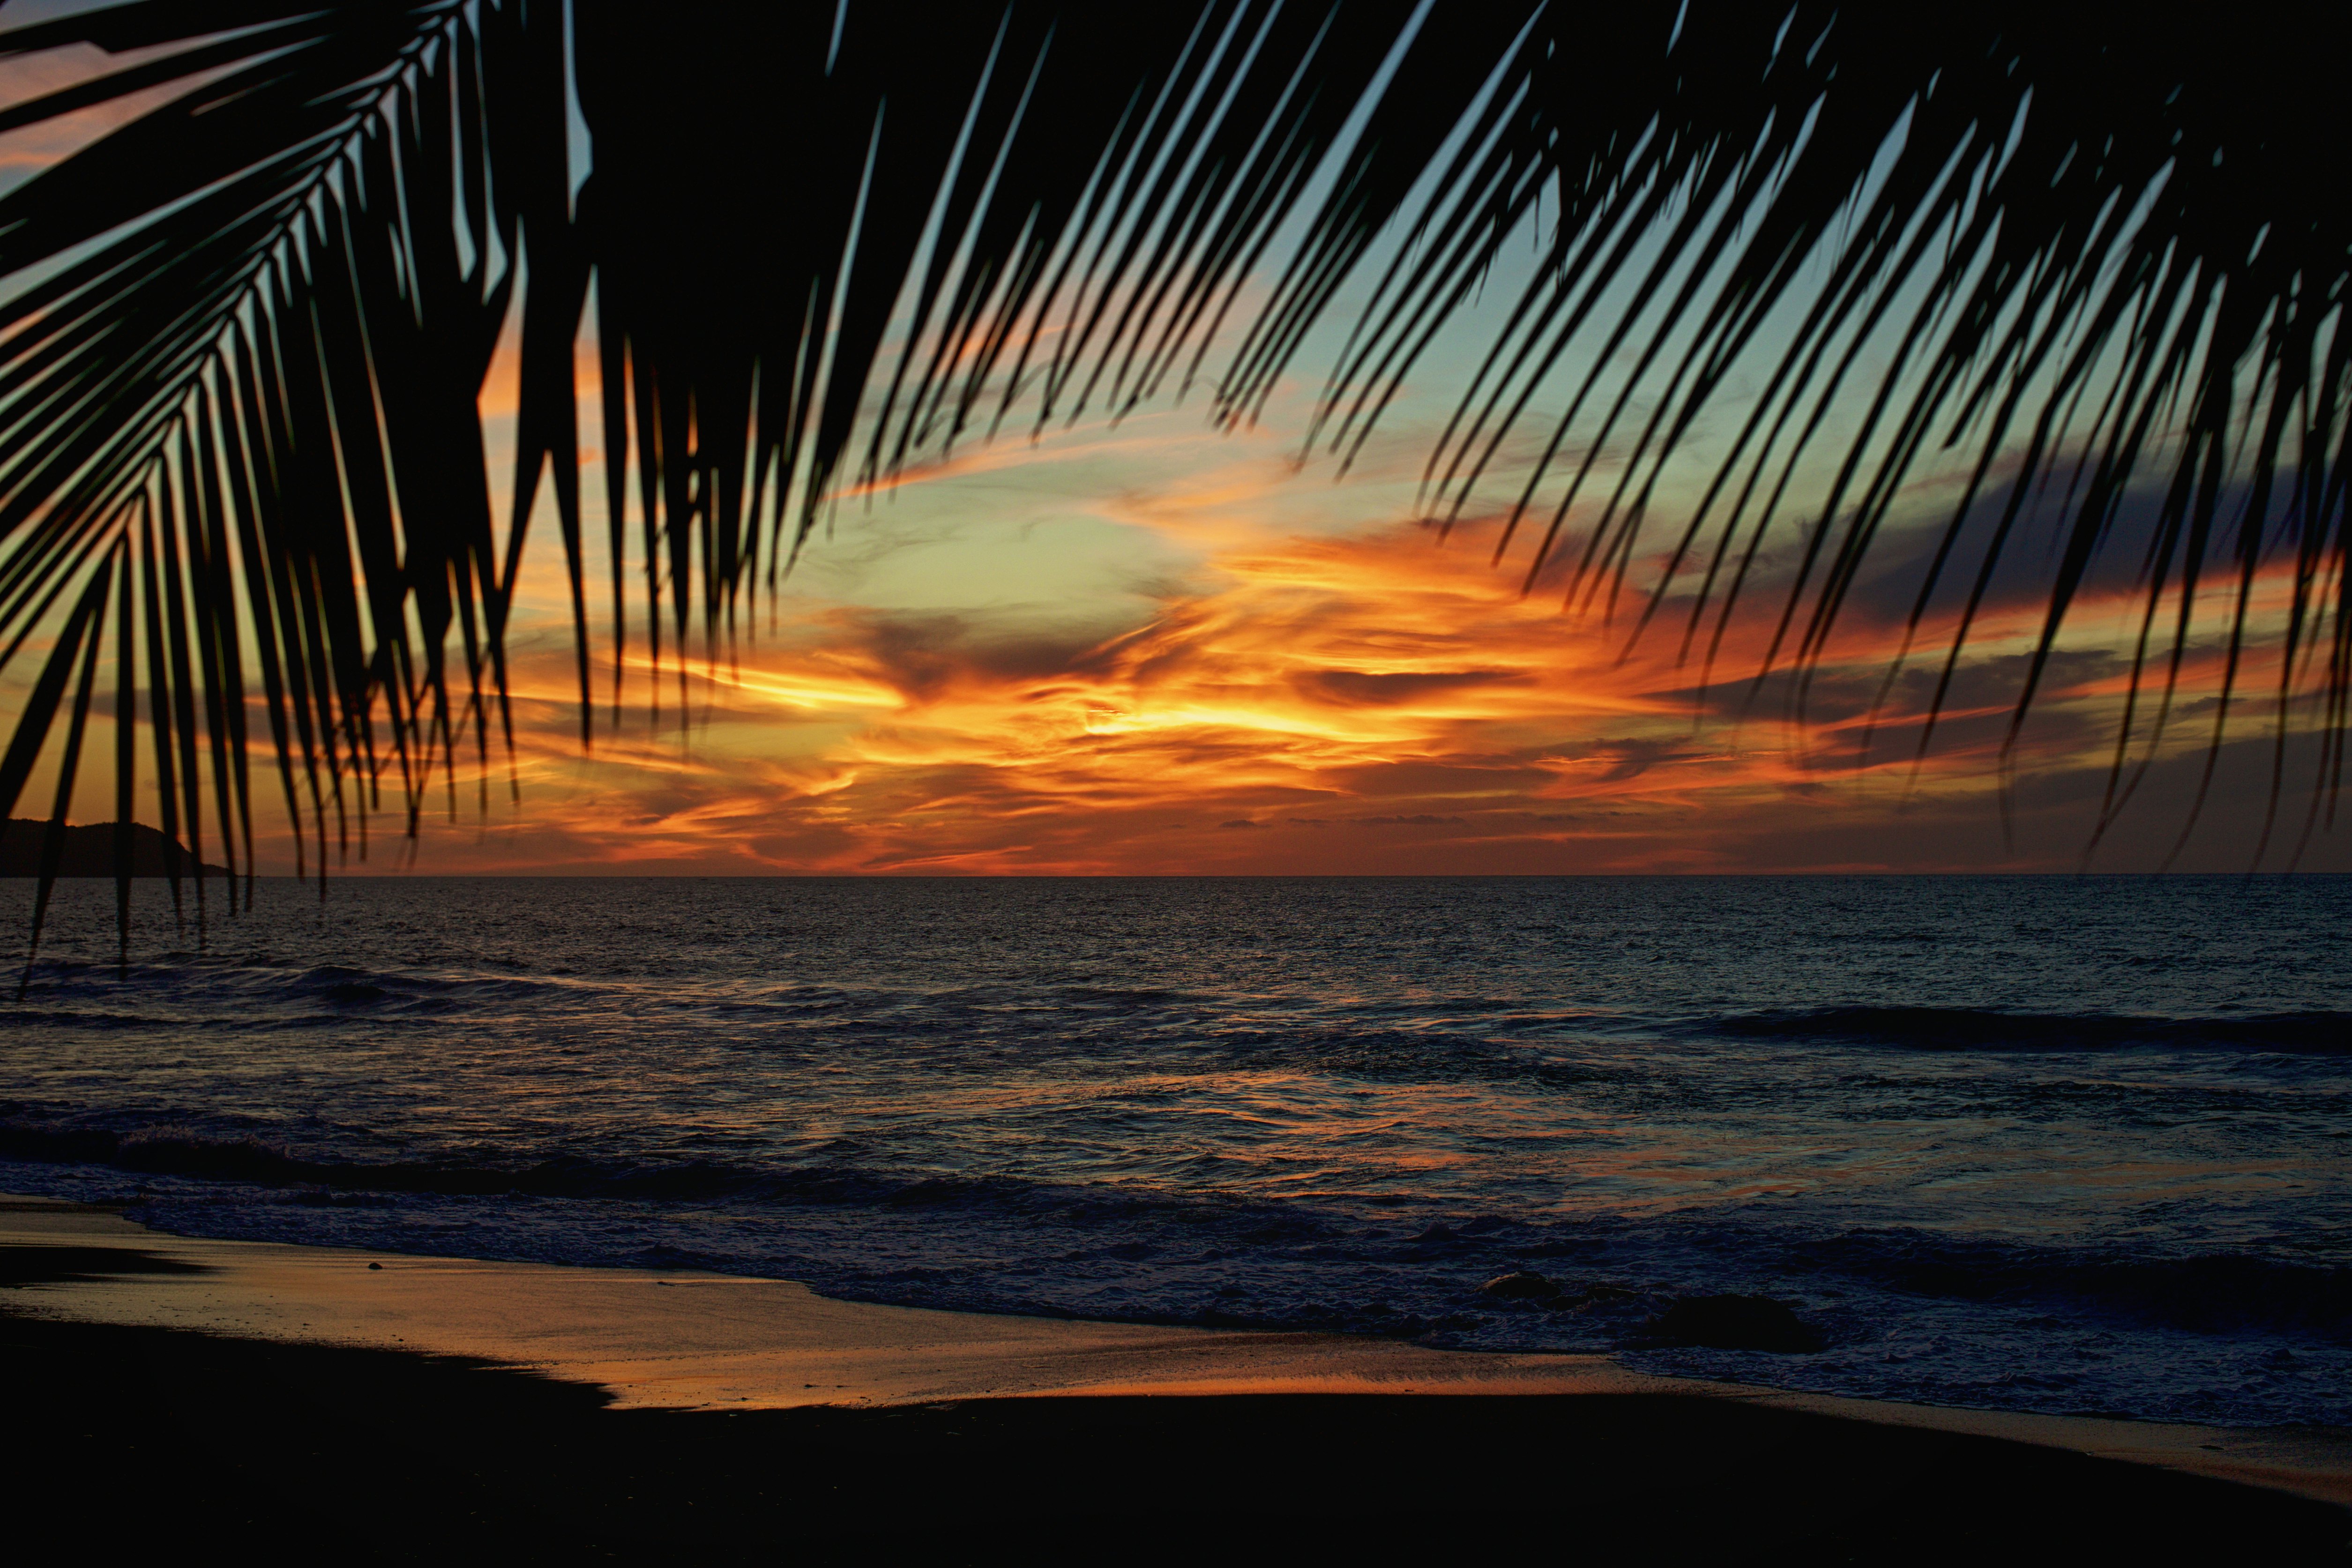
column 1366, row 702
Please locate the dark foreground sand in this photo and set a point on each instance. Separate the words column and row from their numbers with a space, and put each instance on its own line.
column 131, row 1439
column 165, row 1444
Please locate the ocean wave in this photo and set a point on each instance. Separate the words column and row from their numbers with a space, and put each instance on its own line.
column 170, row 1151
column 176, row 1152
column 252, row 993
column 103, row 1021
column 2206, row 1293
column 1992, row 1028
column 2217, row 1292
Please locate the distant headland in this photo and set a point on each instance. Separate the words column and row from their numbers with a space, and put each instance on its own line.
column 89, row 851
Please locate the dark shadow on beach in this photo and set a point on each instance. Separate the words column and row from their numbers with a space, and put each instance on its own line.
column 137, row 1440
column 35, row 1264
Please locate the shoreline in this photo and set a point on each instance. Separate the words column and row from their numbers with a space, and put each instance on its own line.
column 684, row 1341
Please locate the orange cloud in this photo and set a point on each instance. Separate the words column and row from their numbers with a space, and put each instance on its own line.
column 1373, row 703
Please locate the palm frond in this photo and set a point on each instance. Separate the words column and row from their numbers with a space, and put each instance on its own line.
column 1061, row 198
column 246, row 334
column 238, row 373
column 2090, row 241
column 250, row 329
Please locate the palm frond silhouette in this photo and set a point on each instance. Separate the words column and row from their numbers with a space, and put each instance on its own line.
column 245, row 333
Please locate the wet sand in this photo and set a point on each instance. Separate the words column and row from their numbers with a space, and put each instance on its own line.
column 426, row 1406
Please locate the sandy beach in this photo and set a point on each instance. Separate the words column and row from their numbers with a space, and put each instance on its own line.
column 298, row 1387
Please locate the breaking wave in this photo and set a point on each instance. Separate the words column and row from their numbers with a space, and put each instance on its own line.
column 1990, row 1029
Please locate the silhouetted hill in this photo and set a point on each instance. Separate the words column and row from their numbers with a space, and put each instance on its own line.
column 89, row 850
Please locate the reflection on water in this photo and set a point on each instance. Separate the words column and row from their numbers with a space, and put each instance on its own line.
column 2064, row 1143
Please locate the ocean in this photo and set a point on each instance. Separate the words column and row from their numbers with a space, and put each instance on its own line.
column 2042, row 1144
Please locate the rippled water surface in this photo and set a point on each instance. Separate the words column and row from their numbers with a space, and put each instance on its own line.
column 2050, row 1143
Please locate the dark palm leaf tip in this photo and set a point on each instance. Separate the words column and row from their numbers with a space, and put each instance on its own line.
column 2090, row 243
column 241, row 366
column 1041, row 201
column 249, row 328
column 214, row 381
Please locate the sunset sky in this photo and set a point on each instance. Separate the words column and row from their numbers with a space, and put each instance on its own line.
column 1154, row 647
